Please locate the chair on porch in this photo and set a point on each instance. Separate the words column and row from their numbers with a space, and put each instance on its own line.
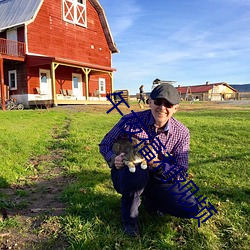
column 41, row 99
column 64, row 93
column 38, row 93
column 97, row 93
column 70, row 92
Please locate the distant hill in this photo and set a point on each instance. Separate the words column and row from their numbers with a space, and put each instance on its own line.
column 241, row 87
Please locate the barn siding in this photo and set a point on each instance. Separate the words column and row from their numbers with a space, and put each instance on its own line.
column 64, row 79
column 50, row 35
column 21, row 77
column 94, row 84
column 33, row 78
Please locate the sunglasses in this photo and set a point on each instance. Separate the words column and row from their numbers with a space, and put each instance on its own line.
column 159, row 102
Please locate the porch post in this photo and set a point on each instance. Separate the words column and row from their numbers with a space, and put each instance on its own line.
column 112, row 82
column 112, row 85
column 86, row 72
column 2, row 84
column 53, row 83
column 53, row 79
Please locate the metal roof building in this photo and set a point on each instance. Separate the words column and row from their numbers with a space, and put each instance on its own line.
column 17, row 12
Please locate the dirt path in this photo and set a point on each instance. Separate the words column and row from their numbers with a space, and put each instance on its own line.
column 184, row 106
column 33, row 205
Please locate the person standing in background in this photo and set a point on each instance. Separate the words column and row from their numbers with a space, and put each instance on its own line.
column 156, row 82
column 142, row 98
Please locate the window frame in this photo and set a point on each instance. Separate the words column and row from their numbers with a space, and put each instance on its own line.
column 79, row 15
column 9, row 78
column 79, row 83
column 102, row 82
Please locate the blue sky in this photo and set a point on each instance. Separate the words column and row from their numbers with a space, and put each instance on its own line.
column 188, row 41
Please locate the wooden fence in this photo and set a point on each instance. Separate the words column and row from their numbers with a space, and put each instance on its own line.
column 124, row 95
column 217, row 96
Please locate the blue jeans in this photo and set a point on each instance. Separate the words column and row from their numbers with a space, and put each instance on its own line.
column 156, row 194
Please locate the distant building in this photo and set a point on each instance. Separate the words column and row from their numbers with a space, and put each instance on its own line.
column 207, row 92
column 157, row 82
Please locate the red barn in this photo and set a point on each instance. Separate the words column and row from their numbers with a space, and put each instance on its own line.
column 56, row 52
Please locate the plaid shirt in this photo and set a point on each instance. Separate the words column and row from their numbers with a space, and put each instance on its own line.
column 174, row 139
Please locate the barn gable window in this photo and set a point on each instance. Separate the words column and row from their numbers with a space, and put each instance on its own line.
column 74, row 11
column 12, row 80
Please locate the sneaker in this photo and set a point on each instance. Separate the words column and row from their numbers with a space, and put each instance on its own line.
column 159, row 213
column 131, row 230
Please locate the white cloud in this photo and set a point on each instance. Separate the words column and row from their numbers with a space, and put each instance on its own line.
column 192, row 45
column 122, row 15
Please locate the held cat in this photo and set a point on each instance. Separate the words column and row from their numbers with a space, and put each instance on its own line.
column 132, row 156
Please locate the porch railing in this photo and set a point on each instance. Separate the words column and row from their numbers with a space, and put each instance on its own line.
column 12, row 48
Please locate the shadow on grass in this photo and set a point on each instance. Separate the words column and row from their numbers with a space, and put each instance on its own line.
column 231, row 157
column 3, row 182
column 216, row 113
column 232, row 220
column 235, row 195
column 94, row 219
column 33, row 207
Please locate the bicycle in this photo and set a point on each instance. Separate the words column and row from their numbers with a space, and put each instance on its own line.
column 12, row 104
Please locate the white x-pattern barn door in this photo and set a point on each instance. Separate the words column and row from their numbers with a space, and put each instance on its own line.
column 74, row 11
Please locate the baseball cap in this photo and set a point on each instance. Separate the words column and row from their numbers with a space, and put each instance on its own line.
column 166, row 91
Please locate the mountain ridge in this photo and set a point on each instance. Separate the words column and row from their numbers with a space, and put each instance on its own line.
column 241, row 87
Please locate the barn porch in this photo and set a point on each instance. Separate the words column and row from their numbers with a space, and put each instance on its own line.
column 13, row 52
column 50, row 103
column 60, row 91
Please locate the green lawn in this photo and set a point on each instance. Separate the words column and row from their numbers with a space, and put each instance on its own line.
column 219, row 166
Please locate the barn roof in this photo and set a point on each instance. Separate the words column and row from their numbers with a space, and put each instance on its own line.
column 18, row 12
column 105, row 25
column 201, row 88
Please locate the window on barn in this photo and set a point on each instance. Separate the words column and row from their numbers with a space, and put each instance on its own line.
column 12, row 80
column 43, row 77
column 74, row 11
column 102, row 86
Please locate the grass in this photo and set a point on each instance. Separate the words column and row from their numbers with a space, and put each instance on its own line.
column 24, row 135
column 219, row 166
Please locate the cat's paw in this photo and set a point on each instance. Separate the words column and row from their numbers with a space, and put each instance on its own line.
column 144, row 166
column 132, row 170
